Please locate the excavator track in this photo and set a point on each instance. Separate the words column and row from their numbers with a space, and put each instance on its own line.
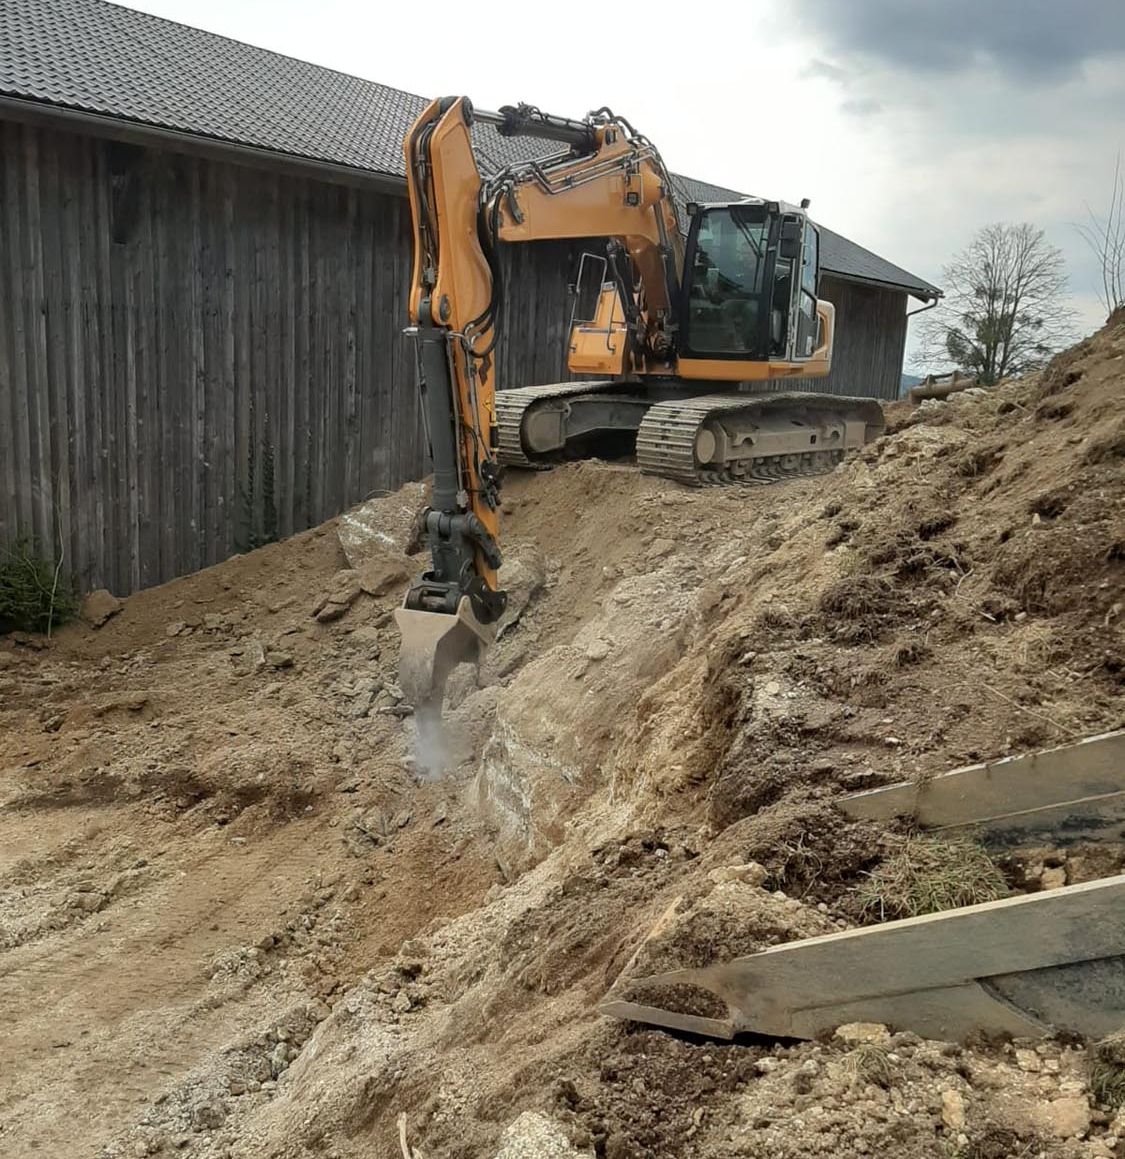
column 811, row 432
column 512, row 407
column 815, row 430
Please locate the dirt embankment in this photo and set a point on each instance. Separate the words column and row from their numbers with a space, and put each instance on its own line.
column 236, row 920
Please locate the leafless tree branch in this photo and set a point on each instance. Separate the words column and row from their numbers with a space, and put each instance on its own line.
column 1105, row 235
column 1003, row 313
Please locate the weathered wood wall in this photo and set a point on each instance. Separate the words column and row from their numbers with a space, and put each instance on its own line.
column 196, row 356
column 870, row 339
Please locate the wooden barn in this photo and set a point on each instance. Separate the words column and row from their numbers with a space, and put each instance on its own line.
column 203, row 259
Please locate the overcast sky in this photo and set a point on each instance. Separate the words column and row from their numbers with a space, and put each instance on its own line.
column 909, row 123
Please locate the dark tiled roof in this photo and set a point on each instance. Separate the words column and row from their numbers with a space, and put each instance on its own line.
column 102, row 58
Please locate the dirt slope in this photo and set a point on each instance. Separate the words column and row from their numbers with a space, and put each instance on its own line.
column 235, row 919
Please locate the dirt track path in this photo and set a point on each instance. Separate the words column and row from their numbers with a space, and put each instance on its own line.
column 103, row 1014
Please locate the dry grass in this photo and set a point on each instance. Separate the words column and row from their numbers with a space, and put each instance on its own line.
column 924, row 875
column 868, row 1063
column 1107, row 1071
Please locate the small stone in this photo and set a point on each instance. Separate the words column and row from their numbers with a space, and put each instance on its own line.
column 175, row 629
column 597, row 649
column 772, row 688
column 209, row 1116
column 319, row 1011
column 279, row 1058
column 766, row 1065
column 401, row 819
column 1065, row 1117
column 401, row 1003
column 863, row 1032
column 660, row 548
column 1028, row 1060
column 275, row 658
column 749, row 874
column 98, row 606
column 236, row 1086
column 952, row 1109
column 89, row 902
column 1053, row 878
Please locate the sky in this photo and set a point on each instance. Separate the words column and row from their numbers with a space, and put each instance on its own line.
column 909, row 123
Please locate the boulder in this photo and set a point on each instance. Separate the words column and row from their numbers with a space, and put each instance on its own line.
column 99, row 606
column 390, row 522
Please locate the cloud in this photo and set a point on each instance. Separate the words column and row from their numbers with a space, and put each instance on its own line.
column 1038, row 41
column 862, row 106
column 823, row 70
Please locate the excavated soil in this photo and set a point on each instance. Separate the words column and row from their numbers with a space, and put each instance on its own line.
column 240, row 916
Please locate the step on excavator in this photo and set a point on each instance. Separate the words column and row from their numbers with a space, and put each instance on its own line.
column 690, row 327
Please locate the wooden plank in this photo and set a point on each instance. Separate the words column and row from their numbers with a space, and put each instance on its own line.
column 54, row 320
column 77, row 477
column 923, row 973
column 12, row 383
column 36, row 336
column 145, row 397
column 22, row 339
column 100, row 335
column 1075, row 792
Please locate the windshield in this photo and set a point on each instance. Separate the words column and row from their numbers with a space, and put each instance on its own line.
column 727, row 275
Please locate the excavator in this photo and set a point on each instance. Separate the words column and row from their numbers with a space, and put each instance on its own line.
column 685, row 320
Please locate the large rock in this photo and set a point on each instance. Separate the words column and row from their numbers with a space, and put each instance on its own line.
column 1064, row 1117
column 390, row 522
column 522, row 576
column 384, row 571
column 98, row 606
column 534, row 1136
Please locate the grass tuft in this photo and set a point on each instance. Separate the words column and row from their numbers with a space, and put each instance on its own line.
column 1107, row 1071
column 925, row 875
column 868, row 1063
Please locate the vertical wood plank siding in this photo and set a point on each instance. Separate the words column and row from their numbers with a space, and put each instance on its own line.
column 196, row 356
column 870, row 339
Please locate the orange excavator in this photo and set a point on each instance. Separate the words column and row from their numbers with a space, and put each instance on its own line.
column 687, row 319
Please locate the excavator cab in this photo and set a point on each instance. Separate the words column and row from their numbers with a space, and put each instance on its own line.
column 746, row 268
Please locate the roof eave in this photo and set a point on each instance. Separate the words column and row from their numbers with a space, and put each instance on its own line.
column 38, row 112
column 922, row 293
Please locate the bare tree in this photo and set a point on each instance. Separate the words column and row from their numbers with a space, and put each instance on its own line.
column 1003, row 312
column 1105, row 235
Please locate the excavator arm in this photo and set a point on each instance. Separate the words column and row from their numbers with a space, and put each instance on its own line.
column 608, row 182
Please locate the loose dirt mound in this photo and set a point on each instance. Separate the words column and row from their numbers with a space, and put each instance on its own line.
column 234, row 919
